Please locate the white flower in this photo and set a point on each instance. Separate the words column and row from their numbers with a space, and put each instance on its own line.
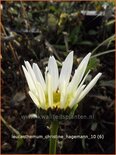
column 58, row 90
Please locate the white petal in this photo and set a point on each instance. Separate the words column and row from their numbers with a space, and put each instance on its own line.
column 35, row 99
column 89, row 87
column 50, row 90
column 63, row 93
column 83, row 79
column 30, row 70
column 29, row 80
column 53, row 70
column 39, row 75
column 79, row 73
column 41, row 95
column 74, row 101
column 66, row 69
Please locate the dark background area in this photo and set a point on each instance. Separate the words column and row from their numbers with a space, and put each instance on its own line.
column 33, row 31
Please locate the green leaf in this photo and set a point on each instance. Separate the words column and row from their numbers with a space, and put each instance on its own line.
column 94, row 126
column 110, row 83
column 93, row 64
column 110, row 22
column 20, row 142
column 110, row 39
column 92, row 32
column 83, row 143
column 52, row 21
column 52, row 8
column 74, row 35
column 89, row 43
column 13, row 11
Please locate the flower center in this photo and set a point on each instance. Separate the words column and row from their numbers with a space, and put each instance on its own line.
column 56, row 99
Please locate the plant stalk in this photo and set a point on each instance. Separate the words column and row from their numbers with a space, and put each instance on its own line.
column 53, row 137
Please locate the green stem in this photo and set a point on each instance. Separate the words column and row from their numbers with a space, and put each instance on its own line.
column 53, row 137
column 104, row 42
column 102, row 53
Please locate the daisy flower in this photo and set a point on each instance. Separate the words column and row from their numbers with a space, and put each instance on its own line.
column 58, row 90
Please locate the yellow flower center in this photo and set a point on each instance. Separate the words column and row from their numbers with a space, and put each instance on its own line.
column 56, row 100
